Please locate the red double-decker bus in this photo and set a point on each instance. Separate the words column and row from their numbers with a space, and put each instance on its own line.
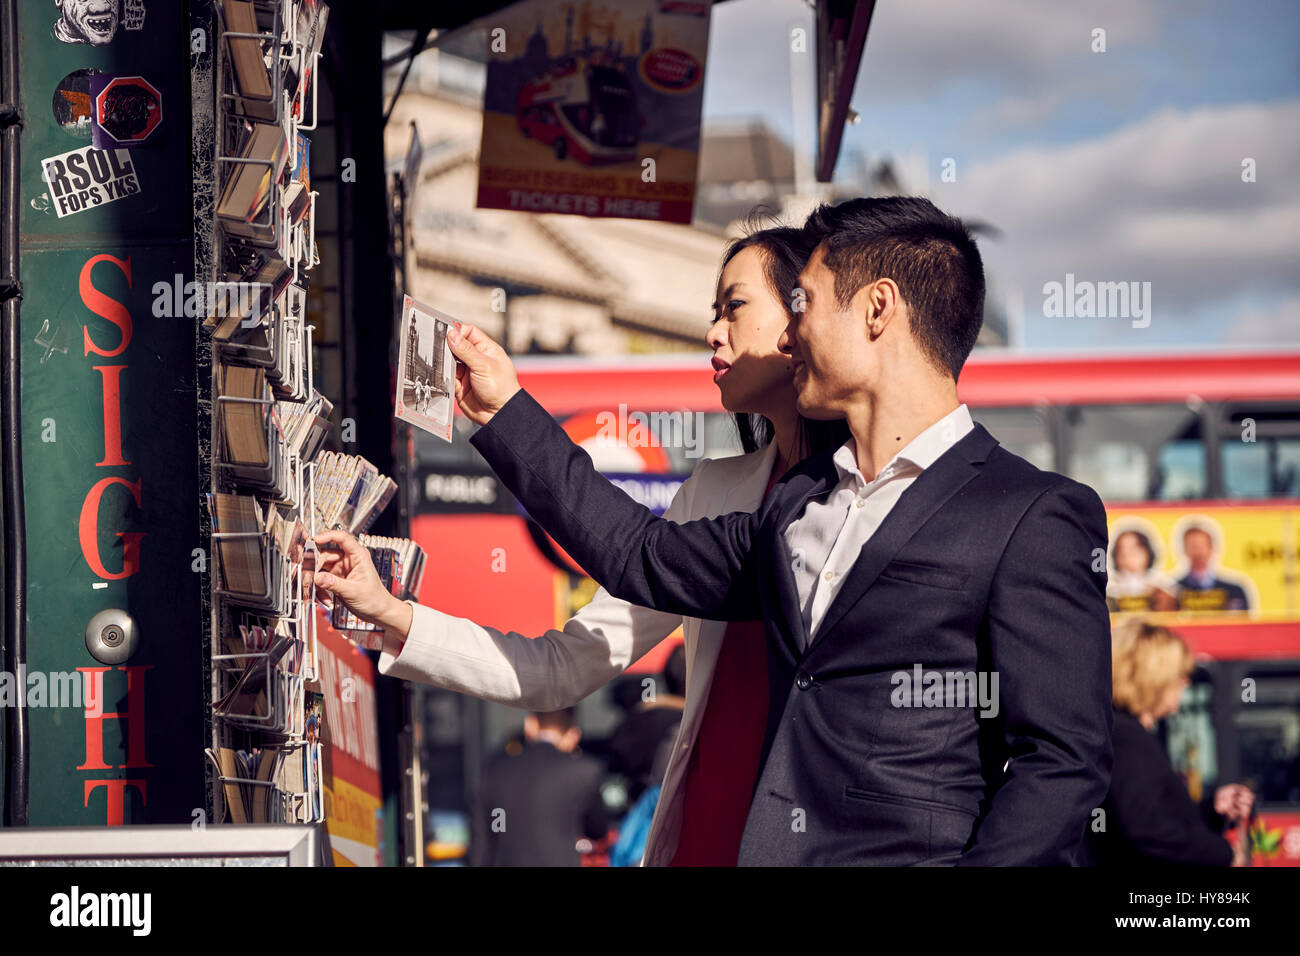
column 1197, row 456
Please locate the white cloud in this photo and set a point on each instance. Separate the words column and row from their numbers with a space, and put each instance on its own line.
column 919, row 46
column 1274, row 326
column 1160, row 201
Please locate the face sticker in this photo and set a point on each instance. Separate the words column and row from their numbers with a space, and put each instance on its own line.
column 96, row 21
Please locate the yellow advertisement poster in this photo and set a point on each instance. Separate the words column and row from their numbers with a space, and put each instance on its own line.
column 1227, row 561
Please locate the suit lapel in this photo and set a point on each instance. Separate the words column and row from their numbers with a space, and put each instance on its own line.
column 926, row 495
column 816, row 478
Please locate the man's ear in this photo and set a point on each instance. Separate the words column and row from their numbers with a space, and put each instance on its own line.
column 879, row 303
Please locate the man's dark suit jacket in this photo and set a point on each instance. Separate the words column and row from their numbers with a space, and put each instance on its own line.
column 985, row 563
column 544, row 799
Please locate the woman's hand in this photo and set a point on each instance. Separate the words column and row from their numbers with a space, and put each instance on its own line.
column 350, row 576
column 485, row 376
column 1234, row 801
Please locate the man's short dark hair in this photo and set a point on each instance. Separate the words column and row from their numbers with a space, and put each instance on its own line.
column 930, row 255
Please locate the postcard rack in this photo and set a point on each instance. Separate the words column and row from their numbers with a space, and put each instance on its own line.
column 285, row 346
column 297, row 803
column 277, row 26
column 264, row 680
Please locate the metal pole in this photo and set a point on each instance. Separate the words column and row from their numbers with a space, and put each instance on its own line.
column 17, row 732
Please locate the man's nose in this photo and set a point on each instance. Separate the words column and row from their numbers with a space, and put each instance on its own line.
column 785, row 343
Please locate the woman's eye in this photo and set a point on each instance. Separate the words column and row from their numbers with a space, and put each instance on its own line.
column 735, row 304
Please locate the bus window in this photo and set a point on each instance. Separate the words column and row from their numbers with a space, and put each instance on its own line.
column 1268, row 737
column 1136, row 452
column 1021, row 431
column 1189, row 737
column 1261, row 452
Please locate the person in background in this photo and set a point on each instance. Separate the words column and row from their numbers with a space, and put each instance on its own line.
column 709, row 780
column 656, row 715
column 1202, row 588
column 535, row 800
column 641, row 748
column 1148, row 817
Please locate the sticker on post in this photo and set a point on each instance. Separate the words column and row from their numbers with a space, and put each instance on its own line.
column 127, row 109
column 84, row 178
column 95, row 21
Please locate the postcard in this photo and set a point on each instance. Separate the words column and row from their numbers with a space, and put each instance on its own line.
column 426, row 369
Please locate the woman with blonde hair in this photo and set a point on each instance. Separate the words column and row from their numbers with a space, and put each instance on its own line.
column 1149, row 818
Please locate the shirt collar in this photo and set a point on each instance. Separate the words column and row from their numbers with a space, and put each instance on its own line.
column 922, row 451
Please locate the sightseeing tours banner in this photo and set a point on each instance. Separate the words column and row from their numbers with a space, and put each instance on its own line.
column 594, row 109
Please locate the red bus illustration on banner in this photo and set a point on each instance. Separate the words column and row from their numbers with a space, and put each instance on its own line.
column 582, row 109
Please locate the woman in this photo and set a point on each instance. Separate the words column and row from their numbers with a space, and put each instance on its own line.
column 1149, row 818
column 709, row 779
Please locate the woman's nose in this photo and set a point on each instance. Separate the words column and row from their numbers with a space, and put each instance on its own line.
column 716, row 337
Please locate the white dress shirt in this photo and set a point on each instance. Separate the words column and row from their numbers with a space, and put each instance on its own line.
column 826, row 539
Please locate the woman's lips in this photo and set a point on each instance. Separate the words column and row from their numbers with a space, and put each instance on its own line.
column 719, row 369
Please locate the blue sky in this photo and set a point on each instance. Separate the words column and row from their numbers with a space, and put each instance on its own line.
column 1117, row 166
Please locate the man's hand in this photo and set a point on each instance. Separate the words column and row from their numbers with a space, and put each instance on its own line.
column 485, row 376
column 350, row 576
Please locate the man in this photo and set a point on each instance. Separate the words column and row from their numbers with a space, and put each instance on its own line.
column 537, row 798
column 1202, row 588
column 920, row 547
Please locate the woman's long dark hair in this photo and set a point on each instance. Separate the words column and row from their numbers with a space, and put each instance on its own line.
column 784, row 250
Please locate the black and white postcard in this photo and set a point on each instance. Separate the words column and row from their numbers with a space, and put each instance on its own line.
column 426, row 369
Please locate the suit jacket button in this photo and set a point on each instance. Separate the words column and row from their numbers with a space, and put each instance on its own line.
column 803, row 681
